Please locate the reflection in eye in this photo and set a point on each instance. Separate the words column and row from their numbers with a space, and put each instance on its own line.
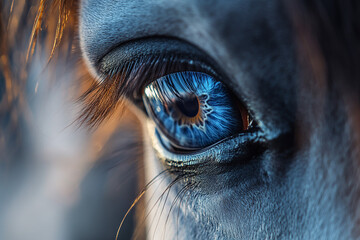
column 193, row 110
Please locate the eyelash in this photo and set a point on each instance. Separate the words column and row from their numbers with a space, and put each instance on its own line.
column 107, row 92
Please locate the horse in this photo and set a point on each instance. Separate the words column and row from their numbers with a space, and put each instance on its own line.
column 249, row 111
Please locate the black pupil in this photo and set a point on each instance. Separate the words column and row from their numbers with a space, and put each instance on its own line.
column 189, row 106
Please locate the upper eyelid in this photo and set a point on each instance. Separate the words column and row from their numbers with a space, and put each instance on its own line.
column 153, row 57
column 131, row 77
column 126, row 71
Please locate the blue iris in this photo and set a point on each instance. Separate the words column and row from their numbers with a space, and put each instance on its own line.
column 191, row 109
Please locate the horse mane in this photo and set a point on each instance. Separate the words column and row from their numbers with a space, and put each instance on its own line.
column 27, row 27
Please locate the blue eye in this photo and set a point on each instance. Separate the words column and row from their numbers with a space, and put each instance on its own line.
column 193, row 110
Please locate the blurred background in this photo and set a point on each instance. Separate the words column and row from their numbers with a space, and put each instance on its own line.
column 59, row 180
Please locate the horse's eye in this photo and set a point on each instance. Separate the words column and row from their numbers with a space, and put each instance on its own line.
column 192, row 110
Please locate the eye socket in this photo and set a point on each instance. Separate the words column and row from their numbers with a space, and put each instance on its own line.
column 192, row 110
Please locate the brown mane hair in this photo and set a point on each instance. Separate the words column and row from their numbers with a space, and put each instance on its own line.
column 27, row 27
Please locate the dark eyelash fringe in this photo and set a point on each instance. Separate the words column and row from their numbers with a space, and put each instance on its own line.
column 169, row 82
column 107, row 93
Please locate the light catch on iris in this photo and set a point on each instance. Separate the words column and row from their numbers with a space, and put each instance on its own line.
column 192, row 110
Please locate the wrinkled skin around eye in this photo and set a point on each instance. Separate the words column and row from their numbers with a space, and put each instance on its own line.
column 192, row 109
column 305, row 184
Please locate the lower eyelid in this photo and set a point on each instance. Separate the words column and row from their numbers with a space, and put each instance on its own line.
column 234, row 148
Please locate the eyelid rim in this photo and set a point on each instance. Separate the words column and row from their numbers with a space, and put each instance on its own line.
column 153, row 45
column 221, row 152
